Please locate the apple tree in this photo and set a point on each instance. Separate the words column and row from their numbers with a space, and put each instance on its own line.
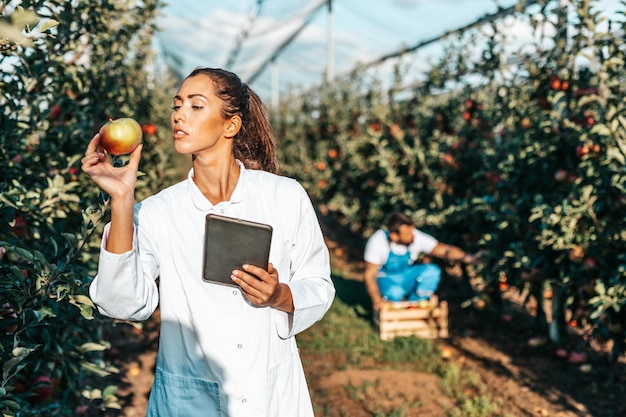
column 67, row 68
column 524, row 160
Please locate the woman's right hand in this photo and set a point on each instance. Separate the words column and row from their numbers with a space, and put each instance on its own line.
column 115, row 181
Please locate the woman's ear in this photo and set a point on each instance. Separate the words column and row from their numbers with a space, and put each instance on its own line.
column 232, row 126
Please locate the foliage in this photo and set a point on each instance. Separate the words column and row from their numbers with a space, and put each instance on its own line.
column 521, row 154
column 67, row 68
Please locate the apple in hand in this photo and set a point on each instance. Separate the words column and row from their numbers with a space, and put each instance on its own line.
column 120, row 136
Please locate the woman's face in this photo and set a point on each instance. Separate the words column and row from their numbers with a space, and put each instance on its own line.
column 197, row 123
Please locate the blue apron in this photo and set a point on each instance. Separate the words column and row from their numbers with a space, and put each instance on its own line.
column 399, row 279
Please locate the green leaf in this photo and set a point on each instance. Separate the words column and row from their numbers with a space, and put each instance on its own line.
column 600, row 129
column 81, row 299
column 44, row 312
column 11, row 404
column 94, row 369
column 109, row 391
column 11, row 363
column 92, row 347
column 48, row 24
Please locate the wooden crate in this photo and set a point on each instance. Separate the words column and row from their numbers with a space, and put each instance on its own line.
column 424, row 319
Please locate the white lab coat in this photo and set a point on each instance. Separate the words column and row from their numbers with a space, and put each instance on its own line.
column 218, row 354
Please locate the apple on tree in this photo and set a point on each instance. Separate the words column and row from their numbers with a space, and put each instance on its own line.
column 120, row 136
column 42, row 388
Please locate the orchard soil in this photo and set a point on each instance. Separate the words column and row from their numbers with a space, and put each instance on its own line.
column 526, row 381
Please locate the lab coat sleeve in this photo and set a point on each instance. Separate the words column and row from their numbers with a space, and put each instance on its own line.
column 125, row 286
column 310, row 282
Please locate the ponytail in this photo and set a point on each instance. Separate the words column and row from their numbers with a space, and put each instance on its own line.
column 254, row 144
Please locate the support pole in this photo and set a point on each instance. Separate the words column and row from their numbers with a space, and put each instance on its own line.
column 275, row 91
column 330, row 61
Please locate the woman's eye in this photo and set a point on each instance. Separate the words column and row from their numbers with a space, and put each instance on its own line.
column 175, row 107
column 197, row 107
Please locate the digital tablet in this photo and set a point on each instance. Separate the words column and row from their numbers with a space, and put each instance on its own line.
column 229, row 243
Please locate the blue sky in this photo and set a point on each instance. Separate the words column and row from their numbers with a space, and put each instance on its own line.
column 198, row 33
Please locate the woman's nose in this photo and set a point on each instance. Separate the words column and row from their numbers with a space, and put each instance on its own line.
column 178, row 116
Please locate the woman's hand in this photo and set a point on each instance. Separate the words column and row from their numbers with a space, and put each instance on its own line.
column 262, row 287
column 112, row 180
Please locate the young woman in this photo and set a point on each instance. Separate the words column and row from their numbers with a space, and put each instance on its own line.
column 223, row 350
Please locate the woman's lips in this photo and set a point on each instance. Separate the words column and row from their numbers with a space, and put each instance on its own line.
column 178, row 133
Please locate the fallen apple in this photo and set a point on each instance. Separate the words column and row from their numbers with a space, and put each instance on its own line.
column 447, row 352
column 120, row 136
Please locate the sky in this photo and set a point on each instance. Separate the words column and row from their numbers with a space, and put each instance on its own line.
column 244, row 35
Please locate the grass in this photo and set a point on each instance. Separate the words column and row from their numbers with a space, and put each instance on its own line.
column 346, row 339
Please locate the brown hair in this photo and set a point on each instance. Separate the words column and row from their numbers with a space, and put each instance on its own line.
column 254, row 143
column 397, row 219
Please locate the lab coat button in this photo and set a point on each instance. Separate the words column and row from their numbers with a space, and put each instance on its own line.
column 243, row 400
column 234, row 292
column 239, row 345
column 222, row 211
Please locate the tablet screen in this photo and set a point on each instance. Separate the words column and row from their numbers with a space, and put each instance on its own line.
column 229, row 243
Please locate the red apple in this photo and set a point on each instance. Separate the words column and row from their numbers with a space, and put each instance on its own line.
column 55, row 112
column 19, row 384
column 19, row 226
column 561, row 175
column 42, row 388
column 562, row 353
column 590, row 263
column 577, row 357
column 120, row 136
column 149, row 129
column 479, row 304
column 582, row 150
column 555, row 83
column 576, row 254
column 81, row 410
column 11, row 328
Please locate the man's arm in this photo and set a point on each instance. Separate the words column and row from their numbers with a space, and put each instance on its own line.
column 369, row 276
column 451, row 253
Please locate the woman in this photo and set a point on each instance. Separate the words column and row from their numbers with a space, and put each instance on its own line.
column 223, row 350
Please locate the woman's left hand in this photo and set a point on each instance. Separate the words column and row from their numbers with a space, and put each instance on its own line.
column 262, row 287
